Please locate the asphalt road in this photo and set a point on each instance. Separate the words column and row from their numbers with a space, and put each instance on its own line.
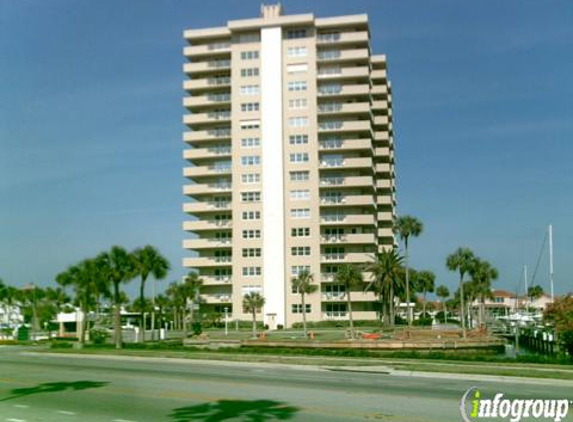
column 94, row 389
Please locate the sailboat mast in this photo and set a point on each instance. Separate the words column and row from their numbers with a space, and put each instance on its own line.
column 525, row 282
column 551, row 261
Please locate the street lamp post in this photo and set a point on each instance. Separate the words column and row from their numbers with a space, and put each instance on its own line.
column 226, row 321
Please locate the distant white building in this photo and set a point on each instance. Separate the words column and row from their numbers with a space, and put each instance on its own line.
column 10, row 316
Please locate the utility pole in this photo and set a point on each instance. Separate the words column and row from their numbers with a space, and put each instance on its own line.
column 551, row 261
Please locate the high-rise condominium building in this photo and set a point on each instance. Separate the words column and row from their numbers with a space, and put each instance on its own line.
column 290, row 161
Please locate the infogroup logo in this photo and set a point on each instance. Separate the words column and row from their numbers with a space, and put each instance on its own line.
column 474, row 407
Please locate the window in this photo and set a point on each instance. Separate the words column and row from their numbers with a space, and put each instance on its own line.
column 329, row 70
column 299, row 157
column 293, row 34
column 222, row 256
column 250, row 142
column 295, row 270
column 249, row 55
column 329, row 36
column 334, row 291
column 297, row 86
column 222, row 219
column 251, row 234
column 298, row 139
column 298, row 121
column 250, row 160
column 300, row 232
column 249, row 71
column 300, row 251
column 330, row 89
column 297, row 68
column 298, row 104
column 328, row 54
column 299, row 176
column 251, row 215
column 246, row 38
column 336, row 309
column 249, row 89
column 298, row 51
column 250, row 196
column 296, row 308
column 300, row 194
column 250, row 124
column 223, row 273
column 300, row 213
column 251, row 271
column 251, row 252
column 249, row 178
column 334, row 253
column 250, row 107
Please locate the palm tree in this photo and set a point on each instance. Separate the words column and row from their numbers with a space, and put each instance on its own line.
column 535, row 292
column 189, row 294
column 303, row 285
column 253, row 302
column 350, row 277
column 482, row 275
column 405, row 227
column 443, row 292
column 425, row 281
column 118, row 267
column 387, row 275
column 148, row 261
column 461, row 260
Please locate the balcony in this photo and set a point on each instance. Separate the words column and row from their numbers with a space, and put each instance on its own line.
column 339, row 56
column 346, row 163
column 333, row 38
column 209, row 100
column 206, row 206
column 204, row 225
column 334, row 297
column 207, row 135
column 385, row 216
column 197, row 119
column 207, row 83
column 384, row 168
column 381, row 120
column 216, row 280
column 217, row 298
column 350, row 257
column 345, row 144
column 346, row 181
column 382, row 136
column 384, row 184
column 382, row 152
column 338, row 72
column 340, row 90
column 379, row 90
column 341, row 108
column 207, row 66
column 379, row 74
column 207, row 188
column 380, row 105
column 211, row 152
column 350, row 238
column 204, row 171
column 341, row 126
column 385, row 232
column 210, row 243
column 218, row 48
column 206, row 262
column 340, row 219
column 347, row 201
column 385, row 200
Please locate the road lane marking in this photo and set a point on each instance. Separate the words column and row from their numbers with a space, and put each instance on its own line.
column 65, row 412
column 122, row 420
column 21, row 406
column 15, row 420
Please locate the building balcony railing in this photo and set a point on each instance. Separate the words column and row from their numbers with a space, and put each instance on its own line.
column 207, row 67
column 206, row 206
column 329, row 72
column 333, row 296
column 332, row 219
column 346, row 163
column 339, row 55
column 348, row 200
column 340, row 90
column 344, row 126
column 216, row 280
column 217, row 298
column 207, row 49
column 210, row 243
column 346, row 181
column 200, row 225
column 198, row 101
column 207, row 188
column 210, row 152
column 206, row 262
column 345, row 144
column 207, row 135
column 203, row 171
column 342, row 37
column 339, row 107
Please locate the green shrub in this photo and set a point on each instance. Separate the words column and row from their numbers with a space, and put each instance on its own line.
column 196, row 328
column 423, row 322
column 61, row 344
column 98, row 335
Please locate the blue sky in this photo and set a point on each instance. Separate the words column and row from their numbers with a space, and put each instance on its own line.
column 90, row 127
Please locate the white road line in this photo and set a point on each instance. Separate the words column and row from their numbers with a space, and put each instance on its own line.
column 15, row 420
column 65, row 412
column 21, row 406
column 122, row 420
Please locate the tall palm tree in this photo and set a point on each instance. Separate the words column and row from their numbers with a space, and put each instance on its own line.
column 350, row 277
column 148, row 261
column 425, row 281
column 118, row 267
column 387, row 276
column 461, row 260
column 253, row 302
column 406, row 227
column 443, row 292
column 189, row 292
column 483, row 273
column 303, row 284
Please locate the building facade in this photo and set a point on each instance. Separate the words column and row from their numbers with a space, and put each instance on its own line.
column 290, row 161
